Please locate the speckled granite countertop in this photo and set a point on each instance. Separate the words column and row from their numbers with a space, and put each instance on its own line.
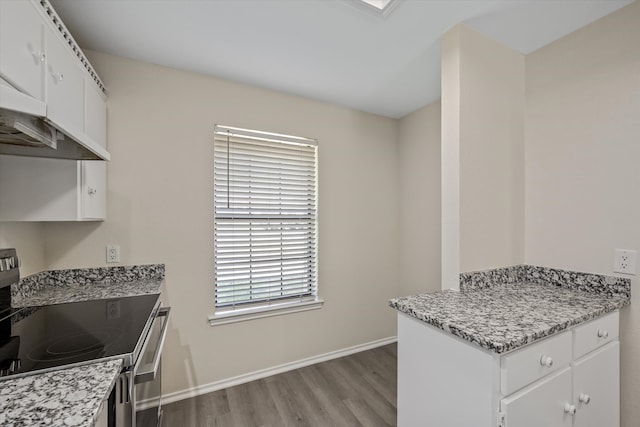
column 67, row 397
column 86, row 292
column 62, row 286
column 504, row 316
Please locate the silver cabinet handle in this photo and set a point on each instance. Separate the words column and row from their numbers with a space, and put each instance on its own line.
column 569, row 409
column 150, row 373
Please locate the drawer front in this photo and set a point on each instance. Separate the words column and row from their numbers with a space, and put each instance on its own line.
column 528, row 364
column 594, row 334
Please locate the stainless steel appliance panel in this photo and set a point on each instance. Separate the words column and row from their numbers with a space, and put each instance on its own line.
column 139, row 390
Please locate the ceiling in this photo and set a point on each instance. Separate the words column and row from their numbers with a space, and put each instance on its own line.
column 336, row 51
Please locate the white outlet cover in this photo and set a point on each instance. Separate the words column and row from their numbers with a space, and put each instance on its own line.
column 113, row 253
column 624, row 261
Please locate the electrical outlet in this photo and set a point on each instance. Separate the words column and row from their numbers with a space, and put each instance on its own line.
column 113, row 253
column 624, row 261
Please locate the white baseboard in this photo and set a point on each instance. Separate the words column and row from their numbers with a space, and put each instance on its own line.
column 263, row 373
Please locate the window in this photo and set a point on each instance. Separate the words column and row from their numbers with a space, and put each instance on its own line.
column 265, row 224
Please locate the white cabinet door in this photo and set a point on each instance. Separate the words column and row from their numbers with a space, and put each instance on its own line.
column 95, row 113
column 22, row 52
column 41, row 189
column 597, row 381
column 64, row 86
column 542, row 404
column 93, row 196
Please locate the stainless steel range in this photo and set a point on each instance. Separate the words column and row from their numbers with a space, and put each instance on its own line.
column 44, row 338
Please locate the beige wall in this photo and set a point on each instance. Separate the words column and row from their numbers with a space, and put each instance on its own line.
column 483, row 124
column 450, row 158
column 419, row 167
column 160, row 210
column 28, row 239
column 583, row 163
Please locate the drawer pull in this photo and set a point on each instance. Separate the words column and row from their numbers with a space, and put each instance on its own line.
column 569, row 409
column 603, row 333
column 546, row 361
column 584, row 398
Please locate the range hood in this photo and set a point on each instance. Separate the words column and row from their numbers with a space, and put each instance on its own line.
column 24, row 135
column 25, row 131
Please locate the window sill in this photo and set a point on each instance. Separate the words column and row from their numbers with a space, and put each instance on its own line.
column 240, row 315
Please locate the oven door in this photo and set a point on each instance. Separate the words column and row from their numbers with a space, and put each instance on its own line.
column 138, row 391
column 148, row 374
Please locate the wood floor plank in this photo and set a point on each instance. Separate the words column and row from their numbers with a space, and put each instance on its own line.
column 376, row 374
column 353, row 391
column 363, row 390
column 365, row 413
column 324, row 391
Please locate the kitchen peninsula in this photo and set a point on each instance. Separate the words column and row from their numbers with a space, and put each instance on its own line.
column 516, row 347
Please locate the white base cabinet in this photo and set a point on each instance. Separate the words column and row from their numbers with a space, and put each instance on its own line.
column 40, row 189
column 570, row 379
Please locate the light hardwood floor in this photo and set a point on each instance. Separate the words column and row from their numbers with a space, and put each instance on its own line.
column 356, row 390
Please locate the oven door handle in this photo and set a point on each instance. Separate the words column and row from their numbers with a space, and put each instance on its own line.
column 150, row 373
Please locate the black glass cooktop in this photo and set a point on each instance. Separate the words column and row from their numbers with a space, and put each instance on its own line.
column 42, row 338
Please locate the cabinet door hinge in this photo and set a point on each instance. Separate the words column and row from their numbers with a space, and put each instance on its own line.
column 501, row 420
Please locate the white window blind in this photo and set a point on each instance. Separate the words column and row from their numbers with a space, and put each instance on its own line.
column 265, row 218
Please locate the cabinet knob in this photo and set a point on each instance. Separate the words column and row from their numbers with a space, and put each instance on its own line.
column 569, row 409
column 91, row 191
column 584, row 398
column 39, row 56
column 546, row 361
column 603, row 333
column 57, row 76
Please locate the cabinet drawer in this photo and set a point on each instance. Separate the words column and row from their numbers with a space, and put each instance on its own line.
column 594, row 334
column 526, row 365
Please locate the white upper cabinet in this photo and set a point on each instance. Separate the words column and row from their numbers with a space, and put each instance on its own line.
column 64, row 86
column 95, row 117
column 40, row 189
column 22, row 52
column 40, row 60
